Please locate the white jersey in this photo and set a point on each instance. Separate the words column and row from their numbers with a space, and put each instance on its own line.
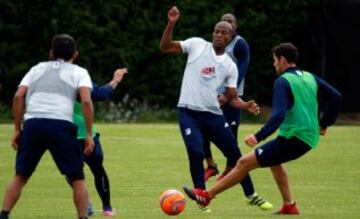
column 204, row 74
column 52, row 89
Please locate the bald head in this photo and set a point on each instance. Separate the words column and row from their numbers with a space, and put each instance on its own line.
column 222, row 35
column 228, row 17
column 224, row 25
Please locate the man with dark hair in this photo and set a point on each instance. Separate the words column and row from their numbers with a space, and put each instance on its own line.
column 295, row 113
column 45, row 99
column 238, row 50
column 207, row 69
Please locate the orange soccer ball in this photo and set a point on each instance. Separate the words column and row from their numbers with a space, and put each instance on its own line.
column 172, row 202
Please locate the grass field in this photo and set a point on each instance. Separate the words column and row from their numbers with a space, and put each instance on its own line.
column 144, row 160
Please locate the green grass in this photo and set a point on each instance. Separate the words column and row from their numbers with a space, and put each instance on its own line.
column 142, row 161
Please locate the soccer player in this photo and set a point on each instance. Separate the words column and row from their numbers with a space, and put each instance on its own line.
column 95, row 159
column 46, row 95
column 239, row 52
column 295, row 113
column 208, row 68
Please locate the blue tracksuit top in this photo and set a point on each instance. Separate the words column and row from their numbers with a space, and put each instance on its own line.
column 101, row 93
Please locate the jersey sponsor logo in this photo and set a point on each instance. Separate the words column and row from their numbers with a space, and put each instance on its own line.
column 208, row 73
column 188, row 131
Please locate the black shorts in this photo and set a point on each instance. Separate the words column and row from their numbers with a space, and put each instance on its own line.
column 280, row 150
column 57, row 136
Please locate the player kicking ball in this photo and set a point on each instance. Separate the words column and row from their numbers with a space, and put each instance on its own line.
column 295, row 113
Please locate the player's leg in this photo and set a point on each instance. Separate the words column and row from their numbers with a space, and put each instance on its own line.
column 28, row 156
column 211, row 169
column 68, row 156
column 224, row 138
column 80, row 196
column 95, row 163
column 244, row 165
column 190, row 123
column 281, row 179
column 13, row 193
column 237, row 174
column 266, row 155
column 232, row 116
column 283, row 151
column 220, row 134
column 90, row 210
column 190, row 128
column 280, row 175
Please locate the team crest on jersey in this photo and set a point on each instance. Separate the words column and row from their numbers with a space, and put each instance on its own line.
column 208, row 73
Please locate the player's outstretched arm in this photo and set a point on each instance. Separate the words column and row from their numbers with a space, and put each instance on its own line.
column 105, row 92
column 167, row 45
column 238, row 103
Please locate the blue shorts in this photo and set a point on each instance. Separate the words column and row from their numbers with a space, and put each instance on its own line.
column 197, row 125
column 280, row 150
column 57, row 136
column 97, row 156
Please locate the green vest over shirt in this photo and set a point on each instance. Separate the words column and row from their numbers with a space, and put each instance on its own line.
column 302, row 120
column 79, row 120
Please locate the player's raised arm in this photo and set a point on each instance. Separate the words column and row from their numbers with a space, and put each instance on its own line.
column 118, row 77
column 167, row 45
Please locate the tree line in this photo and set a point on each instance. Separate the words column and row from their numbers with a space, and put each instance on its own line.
column 122, row 33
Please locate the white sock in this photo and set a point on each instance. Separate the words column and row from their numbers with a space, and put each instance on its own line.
column 251, row 196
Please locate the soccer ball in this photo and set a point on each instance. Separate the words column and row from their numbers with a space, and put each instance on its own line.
column 172, row 202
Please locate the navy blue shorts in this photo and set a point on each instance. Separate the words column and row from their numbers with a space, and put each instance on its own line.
column 280, row 150
column 57, row 136
column 96, row 156
column 197, row 125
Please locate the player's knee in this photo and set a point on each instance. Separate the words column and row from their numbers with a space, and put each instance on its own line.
column 196, row 155
column 243, row 163
column 233, row 158
column 21, row 179
column 279, row 172
column 74, row 177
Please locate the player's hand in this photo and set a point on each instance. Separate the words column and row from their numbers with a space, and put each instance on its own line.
column 222, row 99
column 15, row 141
column 253, row 107
column 89, row 145
column 322, row 131
column 119, row 74
column 173, row 15
column 251, row 140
